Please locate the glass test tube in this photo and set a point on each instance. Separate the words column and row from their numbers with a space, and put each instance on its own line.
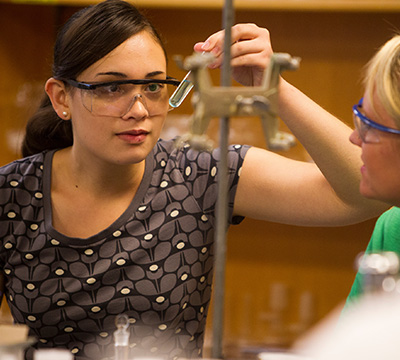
column 181, row 92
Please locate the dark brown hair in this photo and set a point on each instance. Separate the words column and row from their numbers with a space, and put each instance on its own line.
column 89, row 35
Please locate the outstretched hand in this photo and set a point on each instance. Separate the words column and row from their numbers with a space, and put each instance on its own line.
column 250, row 52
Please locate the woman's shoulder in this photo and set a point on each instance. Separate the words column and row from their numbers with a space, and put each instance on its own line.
column 24, row 166
column 386, row 235
column 390, row 216
column 176, row 148
column 163, row 145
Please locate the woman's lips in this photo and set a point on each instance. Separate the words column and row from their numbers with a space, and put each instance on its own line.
column 133, row 136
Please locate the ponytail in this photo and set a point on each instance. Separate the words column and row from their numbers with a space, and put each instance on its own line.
column 45, row 130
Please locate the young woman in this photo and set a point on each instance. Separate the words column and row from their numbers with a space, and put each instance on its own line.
column 102, row 217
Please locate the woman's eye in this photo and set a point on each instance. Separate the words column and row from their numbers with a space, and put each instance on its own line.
column 109, row 90
column 154, row 87
column 113, row 88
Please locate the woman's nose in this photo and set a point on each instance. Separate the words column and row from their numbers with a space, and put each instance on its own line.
column 137, row 108
column 355, row 138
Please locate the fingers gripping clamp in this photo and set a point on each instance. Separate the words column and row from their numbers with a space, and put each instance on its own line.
column 211, row 101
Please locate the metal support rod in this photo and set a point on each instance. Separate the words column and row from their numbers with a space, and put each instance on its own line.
column 222, row 202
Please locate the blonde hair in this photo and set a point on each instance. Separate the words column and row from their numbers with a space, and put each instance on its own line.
column 382, row 78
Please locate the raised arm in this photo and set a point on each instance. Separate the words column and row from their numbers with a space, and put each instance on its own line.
column 324, row 193
column 275, row 188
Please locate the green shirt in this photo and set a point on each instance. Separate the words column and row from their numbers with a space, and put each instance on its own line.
column 386, row 237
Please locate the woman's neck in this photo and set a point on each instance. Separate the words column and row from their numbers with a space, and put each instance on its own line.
column 95, row 176
column 87, row 197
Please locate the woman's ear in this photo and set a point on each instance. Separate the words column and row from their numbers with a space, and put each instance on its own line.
column 58, row 95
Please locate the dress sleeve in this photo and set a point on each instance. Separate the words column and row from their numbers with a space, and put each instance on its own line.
column 240, row 152
column 236, row 155
column 200, row 172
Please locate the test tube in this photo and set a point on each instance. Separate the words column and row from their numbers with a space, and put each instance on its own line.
column 181, row 92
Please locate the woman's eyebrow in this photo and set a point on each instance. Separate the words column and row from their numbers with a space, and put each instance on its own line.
column 113, row 73
column 124, row 76
column 154, row 73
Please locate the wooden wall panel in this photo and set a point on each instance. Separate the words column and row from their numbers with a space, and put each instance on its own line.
column 26, row 39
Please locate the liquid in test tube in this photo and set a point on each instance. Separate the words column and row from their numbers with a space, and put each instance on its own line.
column 181, row 92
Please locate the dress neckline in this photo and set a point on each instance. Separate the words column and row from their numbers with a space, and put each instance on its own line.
column 114, row 227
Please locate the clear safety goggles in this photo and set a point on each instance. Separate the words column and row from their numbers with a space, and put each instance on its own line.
column 116, row 98
column 370, row 132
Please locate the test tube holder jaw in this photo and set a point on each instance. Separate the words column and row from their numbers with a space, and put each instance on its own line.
column 235, row 101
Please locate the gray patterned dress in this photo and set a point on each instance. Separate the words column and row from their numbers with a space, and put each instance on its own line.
column 154, row 263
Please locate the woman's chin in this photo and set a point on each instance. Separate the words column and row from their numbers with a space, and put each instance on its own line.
column 366, row 191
